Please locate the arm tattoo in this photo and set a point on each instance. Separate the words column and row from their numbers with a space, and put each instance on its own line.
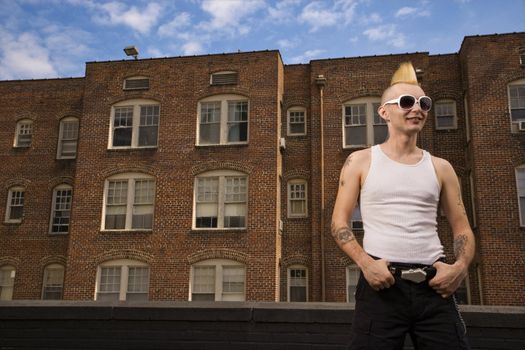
column 342, row 234
column 348, row 160
column 460, row 202
column 459, row 245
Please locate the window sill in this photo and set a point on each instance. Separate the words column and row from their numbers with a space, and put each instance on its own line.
column 218, row 230
column 12, row 223
column 106, row 232
column 56, row 234
column 224, row 145
column 297, row 217
column 447, row 129
column 150, row 148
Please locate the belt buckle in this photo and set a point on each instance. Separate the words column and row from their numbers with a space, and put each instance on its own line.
column 414, row 275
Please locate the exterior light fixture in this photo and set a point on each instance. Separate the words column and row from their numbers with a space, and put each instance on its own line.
column 131, row 51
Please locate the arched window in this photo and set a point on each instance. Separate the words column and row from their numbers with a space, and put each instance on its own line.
column 67, row 138
column 222, row 119
column 24, row 133
column 362, row 125
column 221, row 200
column 134, row 124
column 129, row 202
column 53, row 285
column 61, row 209
column 296, row 121
column 15, row 205
column 297, row 283
column 218, row 280
column 7, row 282
column 122, row 280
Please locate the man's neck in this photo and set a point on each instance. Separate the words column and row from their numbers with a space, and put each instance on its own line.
column 402, row 147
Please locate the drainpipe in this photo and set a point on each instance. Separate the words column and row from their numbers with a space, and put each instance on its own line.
column 320, row 81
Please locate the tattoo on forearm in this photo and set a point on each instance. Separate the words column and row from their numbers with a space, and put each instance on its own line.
column 459, row 245
column 342, row 234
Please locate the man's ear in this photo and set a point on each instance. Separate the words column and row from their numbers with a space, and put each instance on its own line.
column 381, row 110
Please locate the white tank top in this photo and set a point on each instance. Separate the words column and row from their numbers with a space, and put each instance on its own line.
column 399, row 207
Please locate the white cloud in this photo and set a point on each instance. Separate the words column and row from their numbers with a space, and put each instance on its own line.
column 230, row 16
column 117, row 13
column 412, row 11
column 287, row 44
column 283, row 11
column 317, row 15
column 388, row 34
column 192, row 48
column 23, row 56
column 180, row 21
column 307, row 56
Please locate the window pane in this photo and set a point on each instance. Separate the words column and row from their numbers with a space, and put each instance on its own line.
column 61, row 211
column 16, row 209
column 149, row 121
column 116, row 204
column 298, row 282
column 25, row 134
column 237, row 121
column 138, row 280
column 207, row 205
column 210, row 123
column 203, row 283
column 110, row 280
column 7, row 281
column 351, row 283
column 53, row 283
column 233, row 279
column 445, row 121
column 355, row 135
column 517, row 114
column 123, row 126
column 380, row 134
column 235, row 202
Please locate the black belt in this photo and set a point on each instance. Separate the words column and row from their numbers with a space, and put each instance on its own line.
column 416, row 273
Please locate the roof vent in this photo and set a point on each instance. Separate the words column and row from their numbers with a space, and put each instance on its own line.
column 138, row 83
column 224, row 78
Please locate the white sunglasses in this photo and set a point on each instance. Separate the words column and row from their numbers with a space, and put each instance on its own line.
column 407, row 102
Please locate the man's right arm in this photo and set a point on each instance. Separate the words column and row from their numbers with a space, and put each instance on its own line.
column 375, row 271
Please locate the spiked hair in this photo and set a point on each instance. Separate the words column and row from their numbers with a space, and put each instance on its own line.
column 405, row 74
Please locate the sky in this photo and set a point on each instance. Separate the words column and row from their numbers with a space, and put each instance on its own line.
column 54, row 38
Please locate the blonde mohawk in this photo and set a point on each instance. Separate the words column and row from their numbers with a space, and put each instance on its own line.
column 405, row 74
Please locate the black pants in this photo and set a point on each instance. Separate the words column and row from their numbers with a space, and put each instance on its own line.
column 382, row 319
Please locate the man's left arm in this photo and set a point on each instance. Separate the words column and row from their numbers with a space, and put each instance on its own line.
column 449, row 277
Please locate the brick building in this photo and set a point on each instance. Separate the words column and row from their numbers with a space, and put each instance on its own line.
column 213, row 177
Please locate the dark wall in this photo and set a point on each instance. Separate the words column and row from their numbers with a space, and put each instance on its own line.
column 185, row 325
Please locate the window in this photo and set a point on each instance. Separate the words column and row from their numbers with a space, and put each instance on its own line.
column 136, row 83
column 445, row 113
column 122, row 280
column 297, row 283
column 218, row 280
column 68, row 138
column 224, row 78
column 15, row 205
column 463, row 292
column 352, row 277
column 53, row 282
column 221, row 200
column 60, row 211
column 356, row 222
column 129, row 201
column 517, row 101
column 297, row 199
column 223, row 120
column 7, row 282
column 134, row 124
column 296, row 121
column 520, row 184
column 362, row 125
column 24, row 133
column 522, row 56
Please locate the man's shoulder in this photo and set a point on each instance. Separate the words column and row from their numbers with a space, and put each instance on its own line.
column 442, row 166
column 361, row 155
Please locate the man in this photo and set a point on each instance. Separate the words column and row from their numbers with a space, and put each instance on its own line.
column 400, row 187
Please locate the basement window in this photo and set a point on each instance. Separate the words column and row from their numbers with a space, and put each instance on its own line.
column 224, row 78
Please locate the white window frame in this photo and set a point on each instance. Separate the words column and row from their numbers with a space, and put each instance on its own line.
column 47, row 271
column 454, row 114
column 131, row 178
column 289, row 281
column 6, row 289
column 521, row 53
column 124, row 265
column 223, row 128
column 61, row 187
column 136, row 104
column 372, row 104
column 290, row 200
column 219, row 265
column 62, row 139
column 221, row 175
column 289, row 117
column 514, row 124
column 8, row 207
column 19, row 126
column 352, row 275
column 521, row 194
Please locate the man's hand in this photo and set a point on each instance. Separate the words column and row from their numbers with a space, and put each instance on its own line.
column 448, row 278
column 378, row 275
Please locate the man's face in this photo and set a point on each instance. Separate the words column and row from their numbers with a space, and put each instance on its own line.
column 405, row 121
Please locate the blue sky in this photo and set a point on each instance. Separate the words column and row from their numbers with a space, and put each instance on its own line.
column 54, row 38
